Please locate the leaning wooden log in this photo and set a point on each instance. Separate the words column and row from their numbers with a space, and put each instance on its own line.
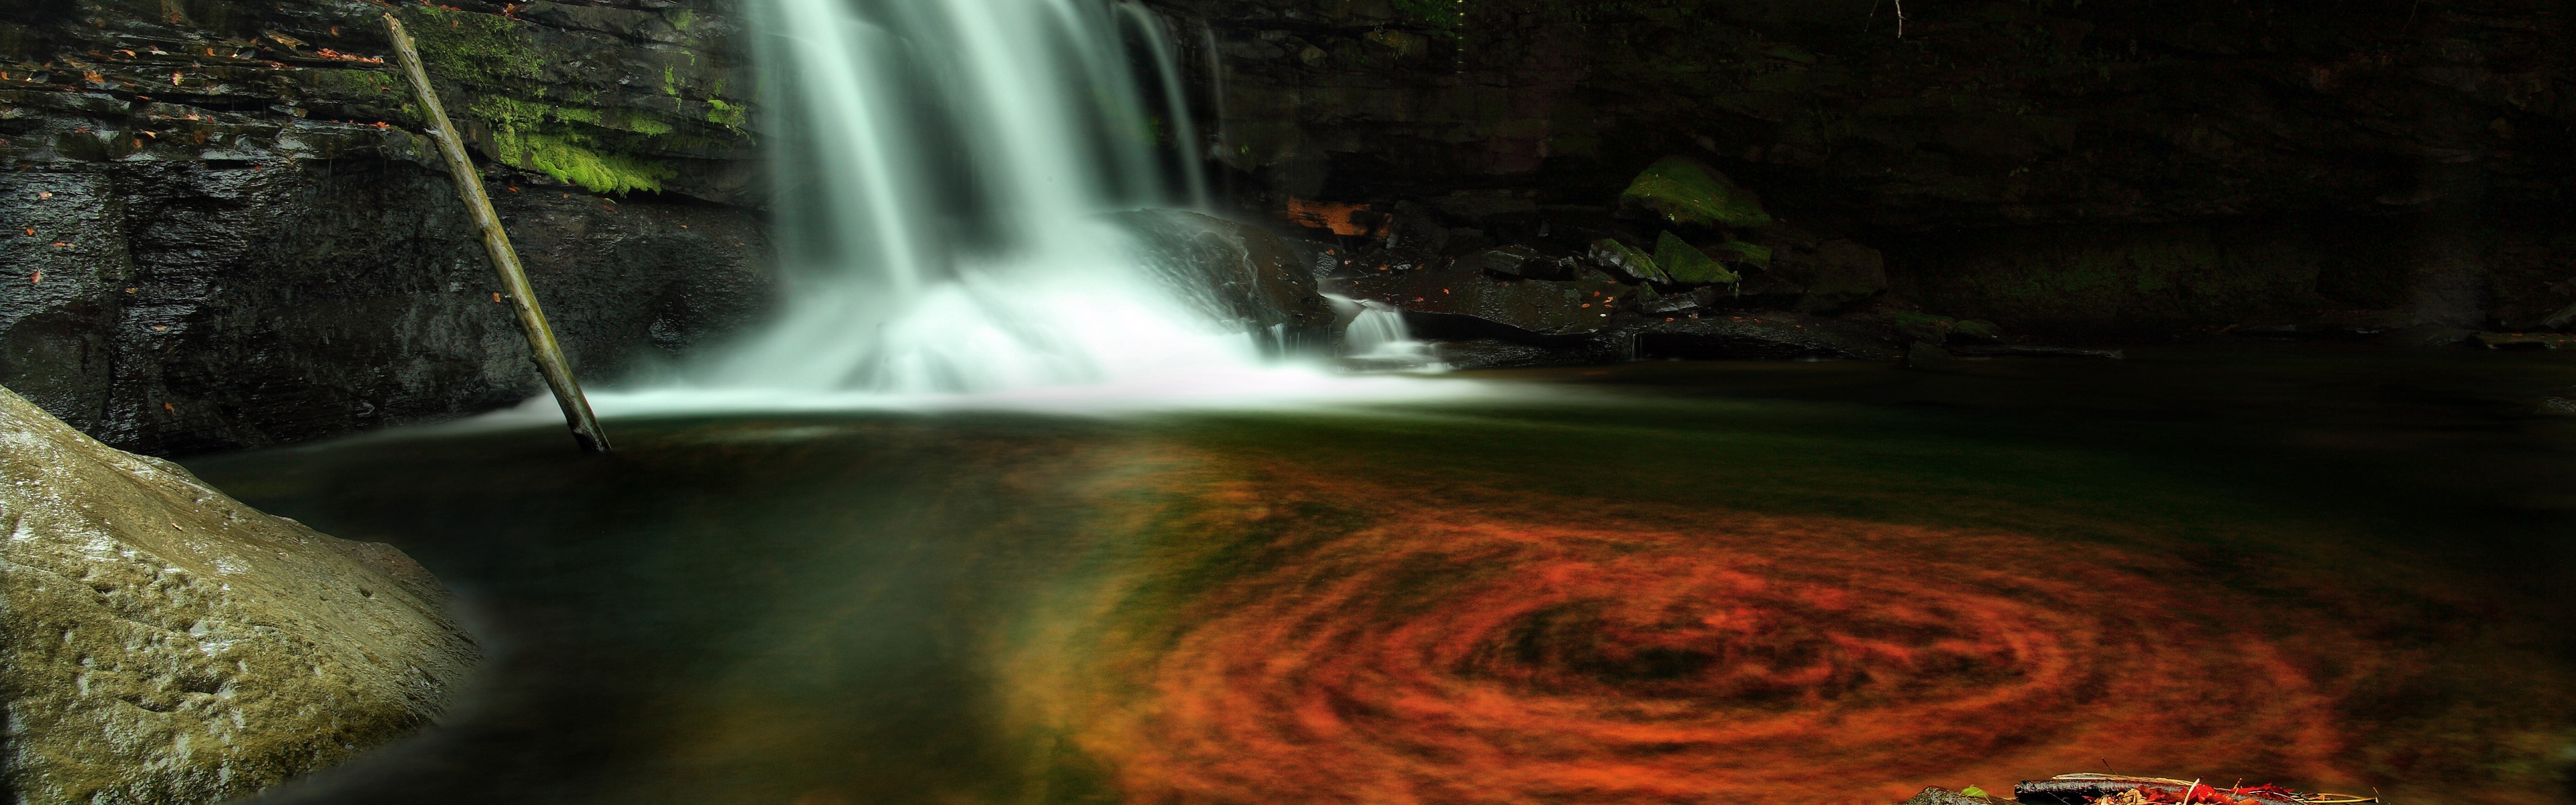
column 505, row 259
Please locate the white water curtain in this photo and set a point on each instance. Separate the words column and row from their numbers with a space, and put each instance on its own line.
column 940, row 164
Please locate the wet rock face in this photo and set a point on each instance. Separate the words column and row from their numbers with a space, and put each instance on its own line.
column 1985, row 112
column 221, row 230
column 199, row 306
column 165, row 643
column 2439, row 138
column 1540, row 307
column 1234, row 272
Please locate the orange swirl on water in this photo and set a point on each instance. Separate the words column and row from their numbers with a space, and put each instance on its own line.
column 1442, row 657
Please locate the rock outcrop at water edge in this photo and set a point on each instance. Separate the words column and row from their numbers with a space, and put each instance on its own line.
column 165, row 643
column 1234, row 272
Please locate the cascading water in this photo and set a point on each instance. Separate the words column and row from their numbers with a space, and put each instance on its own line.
column 941, row 164
column 1377, row 336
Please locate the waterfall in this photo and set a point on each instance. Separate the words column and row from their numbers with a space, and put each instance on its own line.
column 1377, row 337
column 940, row 163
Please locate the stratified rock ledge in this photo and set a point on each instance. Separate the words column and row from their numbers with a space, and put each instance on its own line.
column 167, row 644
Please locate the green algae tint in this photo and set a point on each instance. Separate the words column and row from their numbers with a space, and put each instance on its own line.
column 1793, row 583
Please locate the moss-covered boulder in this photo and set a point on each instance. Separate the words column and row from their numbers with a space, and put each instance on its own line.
column 1745, row 252
column 1687, row 192
column 1924, row 327
column 1687, row 264
column 1627, row 259
column 164, row 643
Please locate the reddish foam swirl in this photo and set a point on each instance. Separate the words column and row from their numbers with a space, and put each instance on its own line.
column 1430, row 658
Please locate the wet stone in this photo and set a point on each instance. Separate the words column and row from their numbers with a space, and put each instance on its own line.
column 1534, row 306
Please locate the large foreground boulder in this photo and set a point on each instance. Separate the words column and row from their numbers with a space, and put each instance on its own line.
column 166, row 644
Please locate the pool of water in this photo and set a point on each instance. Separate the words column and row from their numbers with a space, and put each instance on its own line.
column 1786, row 583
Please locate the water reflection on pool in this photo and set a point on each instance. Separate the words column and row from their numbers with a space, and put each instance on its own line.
column 1785, row 583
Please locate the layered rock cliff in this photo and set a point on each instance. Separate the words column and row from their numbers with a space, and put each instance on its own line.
column 2107, row 169
column 222, row 230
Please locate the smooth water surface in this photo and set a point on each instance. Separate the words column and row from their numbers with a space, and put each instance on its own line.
column 1683, row 582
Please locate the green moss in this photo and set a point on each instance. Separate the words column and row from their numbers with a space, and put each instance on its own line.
column 505, row 112
column 1754, row 253
column 1976, row 330
column 680, row 18
column 728, row 115
column 1443, row 17
column 473, row 48
column 648, row 126
column 560, row 129
column 1686, row 263
column 1924, row 326
column 1687, row 192
column 571, row 157
column 368, row 84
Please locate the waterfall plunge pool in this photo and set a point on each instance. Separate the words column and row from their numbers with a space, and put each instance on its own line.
column 1668, row 582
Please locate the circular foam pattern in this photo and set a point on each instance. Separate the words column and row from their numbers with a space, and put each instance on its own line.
column 1417, row 655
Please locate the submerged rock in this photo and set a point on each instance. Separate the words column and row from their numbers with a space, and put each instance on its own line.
column 1235, row 272
column 165, row 643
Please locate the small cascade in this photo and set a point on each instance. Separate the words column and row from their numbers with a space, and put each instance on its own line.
column 1376, row 337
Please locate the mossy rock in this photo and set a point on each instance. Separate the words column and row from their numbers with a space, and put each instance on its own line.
column 572, row 125
column 1687, row 264
column 1687, row 192
column 1976, row 332
column 1925, row 327
column 1628, row 260
column 566, row 156
column 1741, row 251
